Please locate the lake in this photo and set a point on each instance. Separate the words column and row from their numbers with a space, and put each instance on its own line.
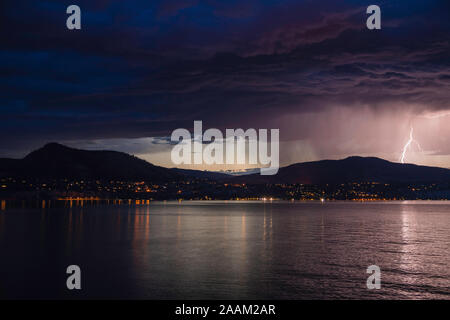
column 225, row 249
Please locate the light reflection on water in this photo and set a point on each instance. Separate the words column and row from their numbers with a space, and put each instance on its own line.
column 226, row 249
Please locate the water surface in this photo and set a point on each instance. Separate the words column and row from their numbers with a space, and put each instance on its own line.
column 226, row 250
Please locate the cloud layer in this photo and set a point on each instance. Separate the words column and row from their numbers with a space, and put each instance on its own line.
column 141, row 69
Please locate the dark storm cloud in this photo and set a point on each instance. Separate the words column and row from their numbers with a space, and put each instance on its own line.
column 144, row 68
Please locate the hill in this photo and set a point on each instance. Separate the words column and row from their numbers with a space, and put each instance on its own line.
column 58, row 161
column 352, row 169
column 55, row 160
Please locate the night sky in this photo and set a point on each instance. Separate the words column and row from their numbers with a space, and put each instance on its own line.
column 137, row 70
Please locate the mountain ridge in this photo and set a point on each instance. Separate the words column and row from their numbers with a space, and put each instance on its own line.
column 55, row 160
column 353, row 169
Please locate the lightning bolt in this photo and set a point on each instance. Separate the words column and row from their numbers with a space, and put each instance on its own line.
column 408, row 144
